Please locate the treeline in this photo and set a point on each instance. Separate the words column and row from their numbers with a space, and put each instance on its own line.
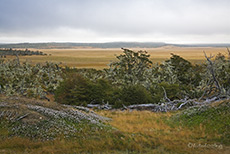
column 132, row 79
column 14, row 52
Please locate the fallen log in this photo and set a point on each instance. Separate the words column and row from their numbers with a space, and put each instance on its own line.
column 99, row 106
column 172, row 105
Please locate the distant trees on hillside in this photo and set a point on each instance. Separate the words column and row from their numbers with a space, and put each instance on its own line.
column 14, row 52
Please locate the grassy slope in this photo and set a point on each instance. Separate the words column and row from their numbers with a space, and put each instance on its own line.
column 136, row 131
column 173, row 132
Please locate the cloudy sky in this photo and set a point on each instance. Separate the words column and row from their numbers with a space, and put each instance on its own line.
column 170, row 21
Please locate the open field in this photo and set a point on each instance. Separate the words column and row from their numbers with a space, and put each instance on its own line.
column 100, row 58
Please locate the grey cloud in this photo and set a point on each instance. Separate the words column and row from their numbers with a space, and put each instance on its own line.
column 112, row 18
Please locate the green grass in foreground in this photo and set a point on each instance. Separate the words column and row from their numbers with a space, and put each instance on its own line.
column 214, row 119
column 137, row 132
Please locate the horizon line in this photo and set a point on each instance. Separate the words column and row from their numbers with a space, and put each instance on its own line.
column 115, row 42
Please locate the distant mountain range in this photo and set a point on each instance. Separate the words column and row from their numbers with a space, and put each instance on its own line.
column 105, row 45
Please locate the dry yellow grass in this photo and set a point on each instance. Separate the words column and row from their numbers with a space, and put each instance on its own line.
column 153, row 129
column 100, row 58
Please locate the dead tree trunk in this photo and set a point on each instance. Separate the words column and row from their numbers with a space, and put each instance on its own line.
column 211, row 70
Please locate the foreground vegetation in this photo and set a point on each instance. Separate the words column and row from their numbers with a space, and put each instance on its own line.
column 132, row 79
column 129, row 132
column 201, row 91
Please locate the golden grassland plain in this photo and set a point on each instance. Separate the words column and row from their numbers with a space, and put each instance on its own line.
column 99, row 58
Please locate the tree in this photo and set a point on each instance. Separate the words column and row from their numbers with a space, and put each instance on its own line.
column 217, row 75
column 130, row 67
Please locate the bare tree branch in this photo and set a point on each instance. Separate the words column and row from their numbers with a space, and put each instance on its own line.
column 165, row 94
column 211, row 69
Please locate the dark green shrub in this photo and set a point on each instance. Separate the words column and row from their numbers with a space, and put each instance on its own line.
column 100, row 92
column 135, row 94
column 78, row 90
column 72, row 90
column 179, row 70
column 173, row 91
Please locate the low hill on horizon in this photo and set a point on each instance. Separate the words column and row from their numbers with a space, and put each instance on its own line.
column 91, row 45
column 64, row 45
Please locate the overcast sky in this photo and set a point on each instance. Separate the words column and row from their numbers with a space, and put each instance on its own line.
column 170, row 21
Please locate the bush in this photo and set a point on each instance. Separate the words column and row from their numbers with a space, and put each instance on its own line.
column 101, row 92
column 28, row 80
column 129, row 68
column 89, row 73
column 173, row 91
column 135, row 94
column 78, row 90
column 72, row 90
column 179, row 70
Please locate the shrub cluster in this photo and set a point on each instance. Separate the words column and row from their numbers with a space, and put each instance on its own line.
column 28, row 80
column 75, row 89
column 133, row 79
